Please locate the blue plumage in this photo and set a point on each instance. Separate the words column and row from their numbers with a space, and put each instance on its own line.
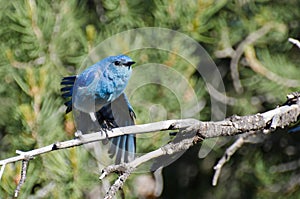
column 116, row 114
column 97, row 99
column 101, row 83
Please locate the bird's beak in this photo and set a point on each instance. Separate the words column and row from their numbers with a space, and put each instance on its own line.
column 129, row 63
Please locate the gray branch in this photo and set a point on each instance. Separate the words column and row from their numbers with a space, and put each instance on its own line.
column 191, row 131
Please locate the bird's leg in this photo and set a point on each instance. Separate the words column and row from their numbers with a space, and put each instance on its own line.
column 102, row 131
column 108, row 125
column 105, row 125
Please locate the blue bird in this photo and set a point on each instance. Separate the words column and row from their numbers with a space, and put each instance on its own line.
column 97, row 99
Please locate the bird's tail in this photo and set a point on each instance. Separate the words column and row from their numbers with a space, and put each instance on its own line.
column 123, row 147
column 119, row 113
column 67, row 90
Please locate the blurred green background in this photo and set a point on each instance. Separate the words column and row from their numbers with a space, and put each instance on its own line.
column 42, row 41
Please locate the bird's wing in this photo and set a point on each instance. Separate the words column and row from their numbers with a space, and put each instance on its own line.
column 119, row 113
column 84, row 121
column 87, row 77
column 116, row 114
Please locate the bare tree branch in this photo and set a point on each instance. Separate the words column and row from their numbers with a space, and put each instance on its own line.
column 227, row 155
column 118, row 184
column 23, row 176
column 2, row 170
column 191, row 131
column 265, row 122
column 98, row 136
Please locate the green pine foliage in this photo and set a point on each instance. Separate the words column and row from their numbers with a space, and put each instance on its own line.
column 42, row 41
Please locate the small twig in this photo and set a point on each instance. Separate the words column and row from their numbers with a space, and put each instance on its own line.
column 112, row 168
column 23, row 176
column 169, row 149
column 295, row 41
column 118, row 183
column 2, row 170
column 227, row 155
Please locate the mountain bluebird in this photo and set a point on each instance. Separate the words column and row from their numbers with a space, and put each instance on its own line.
column 98, row 102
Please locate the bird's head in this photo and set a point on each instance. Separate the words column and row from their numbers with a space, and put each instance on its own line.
column 121, row 61
column 118, row 67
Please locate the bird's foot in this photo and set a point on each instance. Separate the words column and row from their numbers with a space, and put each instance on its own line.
column 78, row 134
column 104, row 131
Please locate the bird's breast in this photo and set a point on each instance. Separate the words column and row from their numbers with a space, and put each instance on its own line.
column 102, row 90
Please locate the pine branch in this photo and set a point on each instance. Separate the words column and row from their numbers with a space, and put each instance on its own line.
column 191, row 131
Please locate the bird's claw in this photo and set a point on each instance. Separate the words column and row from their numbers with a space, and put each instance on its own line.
column 104, row 131
column 78, row 134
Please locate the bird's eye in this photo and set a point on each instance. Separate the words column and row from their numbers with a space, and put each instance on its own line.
column 117, row 63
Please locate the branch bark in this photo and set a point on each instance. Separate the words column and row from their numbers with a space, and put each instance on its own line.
column 191, row 131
